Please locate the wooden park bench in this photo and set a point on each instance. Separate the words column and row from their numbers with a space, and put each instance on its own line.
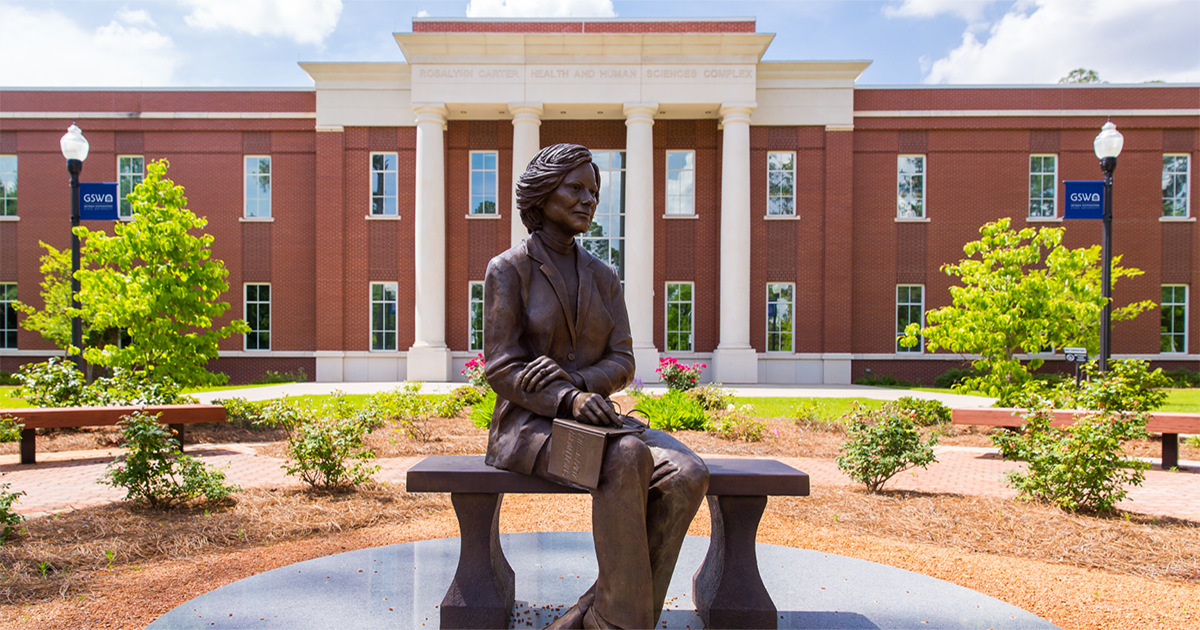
column 727, row 589
column 1170, row 425
column 175, row 416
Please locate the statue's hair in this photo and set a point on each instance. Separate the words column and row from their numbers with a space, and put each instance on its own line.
column 546, row 171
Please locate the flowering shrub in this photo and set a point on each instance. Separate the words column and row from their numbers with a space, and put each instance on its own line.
column 154, row 472
column 712, row 397
column 9, row 519
column 883, row 443
column 739, row 423
column 474, row 372
column 679, row 376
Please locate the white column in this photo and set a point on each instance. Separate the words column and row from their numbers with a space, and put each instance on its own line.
column 429, row 358
column 735, row 360
column 527, row 120
column 639, row 235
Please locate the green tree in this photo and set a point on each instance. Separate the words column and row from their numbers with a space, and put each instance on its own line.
column 1081, row 75
column 54, row 320
column 1022, row 292
column 154, row 277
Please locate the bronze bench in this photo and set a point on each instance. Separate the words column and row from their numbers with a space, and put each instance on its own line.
column 727, row 589
column 175, row 416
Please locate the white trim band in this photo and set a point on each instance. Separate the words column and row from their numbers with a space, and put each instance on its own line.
column 992, row 113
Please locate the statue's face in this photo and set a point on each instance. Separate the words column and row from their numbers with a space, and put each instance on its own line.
column 569, row 209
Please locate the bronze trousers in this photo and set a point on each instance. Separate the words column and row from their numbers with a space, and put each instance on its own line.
column 650, row 488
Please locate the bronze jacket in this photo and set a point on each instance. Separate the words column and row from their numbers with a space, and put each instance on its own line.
column 527, row 315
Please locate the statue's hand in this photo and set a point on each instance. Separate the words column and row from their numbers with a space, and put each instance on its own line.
column 593, row 409
column 539, row 373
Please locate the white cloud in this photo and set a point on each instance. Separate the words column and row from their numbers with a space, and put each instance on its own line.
column 540, row 8
column 422, row 13
column 44, row 48
column 970, row 10
column 135, row 17
column 302, row 21
column 1041, row 41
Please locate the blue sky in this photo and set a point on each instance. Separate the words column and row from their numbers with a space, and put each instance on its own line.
column 257, row 43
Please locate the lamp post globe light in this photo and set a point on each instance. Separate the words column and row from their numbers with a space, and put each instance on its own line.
column 1108, row 146
column 75, row 149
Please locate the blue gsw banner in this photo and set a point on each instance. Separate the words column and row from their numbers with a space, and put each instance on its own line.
column 1085, row 200
column 98, row 202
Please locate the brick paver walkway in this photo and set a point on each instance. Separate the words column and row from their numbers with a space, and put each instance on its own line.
column 65, row 481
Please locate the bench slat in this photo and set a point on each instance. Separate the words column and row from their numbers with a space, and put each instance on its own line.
column 729, row 476
column 53, row 418
column 1158, row 422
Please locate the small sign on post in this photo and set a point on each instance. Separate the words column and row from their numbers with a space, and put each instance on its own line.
column 98, row 202
column 1085, row 199
column 1076, row 355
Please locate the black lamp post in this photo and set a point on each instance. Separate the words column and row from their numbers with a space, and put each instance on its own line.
column 1108, row 146
column 75, row 149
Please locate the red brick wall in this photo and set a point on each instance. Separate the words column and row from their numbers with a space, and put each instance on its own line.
column 581, row 26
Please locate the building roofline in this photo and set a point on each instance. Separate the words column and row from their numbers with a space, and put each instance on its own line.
column 155, row 89
column 1026, row 86
column 580, row 19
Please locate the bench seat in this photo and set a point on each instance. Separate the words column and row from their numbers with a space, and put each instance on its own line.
column 1169, row 424
column 175, row 416
column 727, row 589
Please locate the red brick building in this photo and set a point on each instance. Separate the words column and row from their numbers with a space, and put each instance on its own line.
column 771, row 219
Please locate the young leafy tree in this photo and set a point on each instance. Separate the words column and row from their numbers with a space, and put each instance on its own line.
column 156, row 279
column 1022, row 292
column 54, row 320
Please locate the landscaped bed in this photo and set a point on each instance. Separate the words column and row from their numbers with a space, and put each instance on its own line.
column 120, row 566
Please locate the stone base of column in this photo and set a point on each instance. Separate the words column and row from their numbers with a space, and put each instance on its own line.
column 428, row 364
column 735, row 365
column 837, row 368
column 645, row 362
column 330, row 366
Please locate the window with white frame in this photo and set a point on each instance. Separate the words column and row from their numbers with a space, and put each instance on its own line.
column 1175, row 185
column 8, row 185
column 475, row 310
column 484, row 175
column 605, row 238
column 1043, row 184
column 8, row 334
column 781, row 183
column 1174, row 318
column 681, row 182
column 384, row 186
column 258, row 186
column 910, row 186
column 131, row 170
column 258, row 316
column 780, row 316
column 679, row 316
column 910, row 309
column 384, row 296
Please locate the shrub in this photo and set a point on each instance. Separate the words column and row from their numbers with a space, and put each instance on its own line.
column 1078, row 467
column 881, row 444
column 10, row 429
column 444, row 405
column 712, row 397
column 739, row 423
column 9, row 519
column 925, row 412
column 954, row 376
column 53, row 383
column 468, row 395
column 814, row 416
column 126, row 387
column 673, row 411
column 678, row 376
column 7, row 378
column 887, row 380
column 240, row 411
column 1178, row 378
column 1127, row 386
column 474, row 371
column 409, row 410
column 271, row 376
column 155, row 473
column 321, row 447
column 481, row 412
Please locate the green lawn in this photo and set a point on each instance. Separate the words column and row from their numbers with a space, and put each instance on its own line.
column 1183, row 400
column 782, row 407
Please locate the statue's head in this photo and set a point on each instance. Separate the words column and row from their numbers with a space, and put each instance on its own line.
column 545, row 173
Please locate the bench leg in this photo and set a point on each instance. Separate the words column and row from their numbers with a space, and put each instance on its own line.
column 28, row 446
column 482, row 592
column 179, row 434
column 727, row 589
column 1170, row 451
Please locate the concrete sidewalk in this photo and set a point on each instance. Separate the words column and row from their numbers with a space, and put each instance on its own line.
column 781, row 391
column 66, row 481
